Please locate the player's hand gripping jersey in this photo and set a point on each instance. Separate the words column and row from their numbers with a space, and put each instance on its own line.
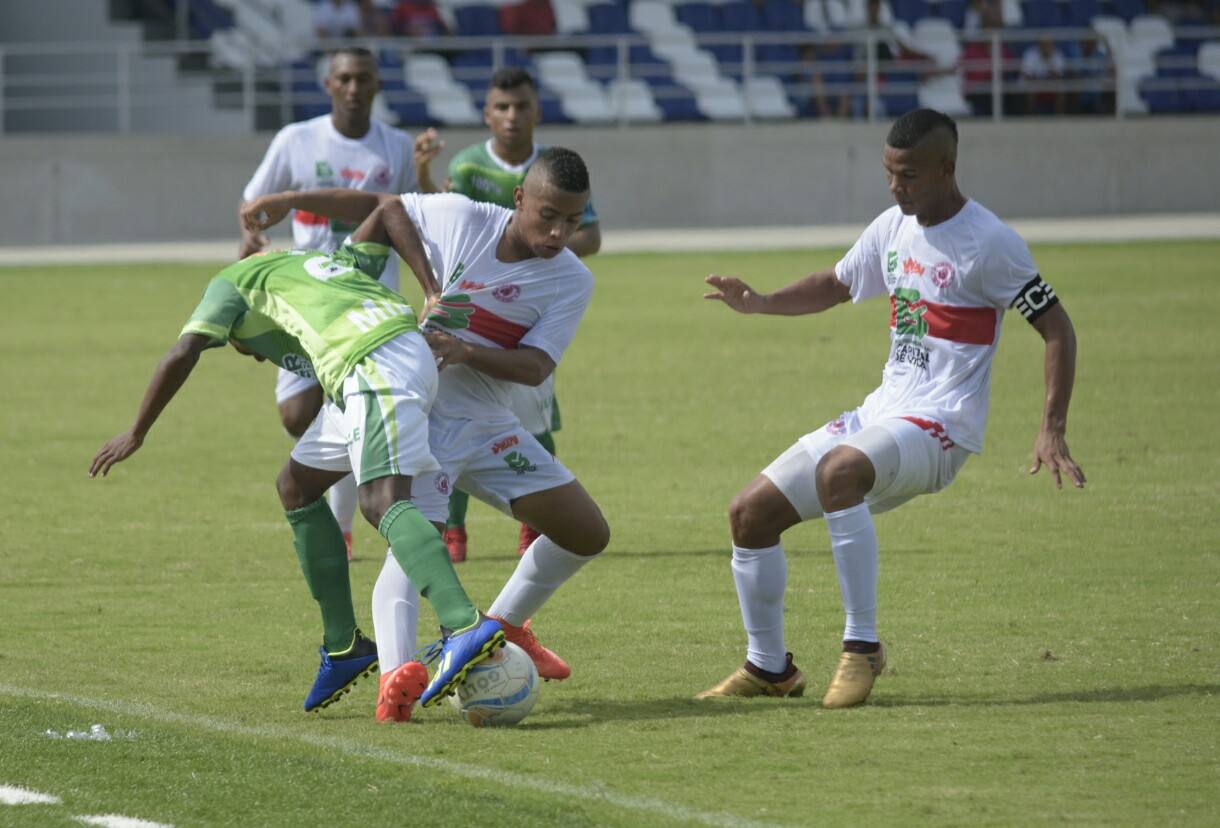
column 537, row 302
column 313, row 313
column 949, row 286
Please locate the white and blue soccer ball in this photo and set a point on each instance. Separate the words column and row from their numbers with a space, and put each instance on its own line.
column 501, row 690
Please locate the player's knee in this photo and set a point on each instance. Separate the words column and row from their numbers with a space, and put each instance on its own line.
column 747, row 522
column 291, row 496
column 844, row 476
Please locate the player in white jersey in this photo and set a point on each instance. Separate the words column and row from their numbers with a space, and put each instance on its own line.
column 345, row 148
column 512, row 299
column 950, row 268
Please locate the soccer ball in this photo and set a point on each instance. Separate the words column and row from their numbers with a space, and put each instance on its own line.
column 501, row 690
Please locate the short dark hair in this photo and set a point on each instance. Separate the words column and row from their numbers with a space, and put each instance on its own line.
column 563, row 168
column 910, row 129
column 510, row 77
column 353, row 51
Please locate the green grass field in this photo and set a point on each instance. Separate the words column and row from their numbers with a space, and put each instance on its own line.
column 1054, row 654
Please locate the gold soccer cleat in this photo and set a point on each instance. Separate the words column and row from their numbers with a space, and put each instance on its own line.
column 853, row 679
column 743, row 684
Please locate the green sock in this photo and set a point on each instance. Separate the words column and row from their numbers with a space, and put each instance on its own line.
column 547, row 438
column 421, row 553
column 323, row 555
column 458, row 501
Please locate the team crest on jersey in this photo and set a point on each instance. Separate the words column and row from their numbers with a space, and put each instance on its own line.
column 381, row 175
column 452, row 311
column 441, row 481
column 943, row 274
column 323, row 169
column 507, row 293
column 299, row 365
column 838, row 426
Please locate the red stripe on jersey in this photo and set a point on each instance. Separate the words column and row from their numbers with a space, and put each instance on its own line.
column 956, row 323
column 935, row 429
column 306, row 217
column 496, row 328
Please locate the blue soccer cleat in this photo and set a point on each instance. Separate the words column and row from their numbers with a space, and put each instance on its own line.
column 339, row 671
column 460, row 651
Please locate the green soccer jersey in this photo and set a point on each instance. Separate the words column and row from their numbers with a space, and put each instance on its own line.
column 477, row 173
column 313, row 313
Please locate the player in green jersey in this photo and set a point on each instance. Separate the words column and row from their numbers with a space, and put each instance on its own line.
column 491, row 171
column 326, row 315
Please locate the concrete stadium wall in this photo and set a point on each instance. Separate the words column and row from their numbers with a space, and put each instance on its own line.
column 139, row 188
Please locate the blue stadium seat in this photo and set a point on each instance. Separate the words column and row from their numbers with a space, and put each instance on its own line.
column 700, row 16
column 784, row 16
column 908, row 11
column 413, row 113
column 1080, row 13
column 1041, row 14
column 608, row 18
column 741, row 16
column 309, row 100
column 1205, row 97
column 1127, row 9
column 952, row 10
column 676, row 101
column 205, row 17
column 477, row 20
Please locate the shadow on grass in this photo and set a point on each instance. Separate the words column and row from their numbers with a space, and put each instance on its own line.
column 1157, row 692
column 563, row 715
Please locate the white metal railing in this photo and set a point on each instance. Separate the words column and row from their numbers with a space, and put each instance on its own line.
column 262, row 82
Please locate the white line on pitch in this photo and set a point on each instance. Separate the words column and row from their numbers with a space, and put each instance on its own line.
column 117, row 821
column 13, row 795
column 658, row 807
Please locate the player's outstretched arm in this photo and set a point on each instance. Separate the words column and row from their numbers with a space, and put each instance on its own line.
column 812, row 294
column 350, row 206
column 405, row 238
column 170, row 375
column 1051, row 449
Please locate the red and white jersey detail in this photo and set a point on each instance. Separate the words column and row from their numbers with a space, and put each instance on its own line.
column 312, row 155
column 949, row 286
column 535, row 303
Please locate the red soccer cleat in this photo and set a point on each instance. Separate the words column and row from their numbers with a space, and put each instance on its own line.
column 400, row 690
column 550, row 666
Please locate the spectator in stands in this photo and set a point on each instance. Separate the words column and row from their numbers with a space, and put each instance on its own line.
column 1096, row 72
column 822, row 66
column 375, row 17
column 419, row 18
column 337, row 20
column 529, row 17
column 1042, row 65
column 976, row 60
column 888, row 49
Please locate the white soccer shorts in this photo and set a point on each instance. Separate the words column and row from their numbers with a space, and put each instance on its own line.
column 534, row 405
column 289, row 385
column 382, row 429
column 910, row 459
column 495, row 466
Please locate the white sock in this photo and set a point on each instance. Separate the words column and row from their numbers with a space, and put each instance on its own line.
column 343, row 502
column 853, row 538
column 544, row 568
column 761, row 576
column 395, row 615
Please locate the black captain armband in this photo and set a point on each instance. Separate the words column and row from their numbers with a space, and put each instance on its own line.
column 1035, row 299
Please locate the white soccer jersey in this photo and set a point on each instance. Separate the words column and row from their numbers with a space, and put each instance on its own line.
column 311, row 155
column 536, row 302
column 949, row 286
